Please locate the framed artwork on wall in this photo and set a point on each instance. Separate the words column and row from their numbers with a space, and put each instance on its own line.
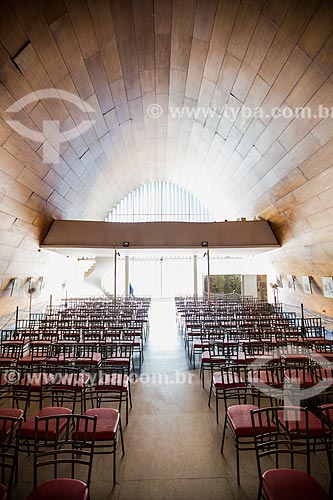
column 291, row 282
column 279, row 281
column 306, row 284
column 327, row 286
column 16, row 287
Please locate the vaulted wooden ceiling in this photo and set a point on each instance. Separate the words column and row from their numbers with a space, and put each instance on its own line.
column 123, row 56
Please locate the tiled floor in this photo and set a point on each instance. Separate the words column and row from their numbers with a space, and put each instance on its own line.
column 172, row 439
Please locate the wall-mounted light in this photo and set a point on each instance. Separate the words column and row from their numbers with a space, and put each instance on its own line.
column 204, row 243
column 126, row 244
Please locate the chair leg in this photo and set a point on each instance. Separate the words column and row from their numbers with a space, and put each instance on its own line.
column 121, row 437
column 210, row 392
column 217, row 405
column 223, row 433
column 130, row 396
column 114, row 466
column 237, row 460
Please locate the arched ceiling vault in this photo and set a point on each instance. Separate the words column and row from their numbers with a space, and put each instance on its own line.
column 125, row 57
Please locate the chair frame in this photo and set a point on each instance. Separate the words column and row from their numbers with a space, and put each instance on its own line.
column 67, row 447
column 271, row 438
column 9, row 439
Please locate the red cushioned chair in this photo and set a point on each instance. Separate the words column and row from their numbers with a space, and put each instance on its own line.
column 108, row 425
column 238, row 419
column 198, row 347
column 215, row 357
column 229, row 376
column 326, row 416
column 113, row 386
column 87, row 356
column 71, row 447
column 291, row 484
column 10, row 428
column 3, row 492
column 71, row 386
column 34, row 381
column 118, row 353
column 39, row 351
column 28, row 427
column 298, row 421
column 10, row 352
column 290, row 440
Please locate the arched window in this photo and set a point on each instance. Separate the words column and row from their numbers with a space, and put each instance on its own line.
column 159, row 201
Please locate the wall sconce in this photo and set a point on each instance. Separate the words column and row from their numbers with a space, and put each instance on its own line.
column 126, row 244
column 204, row 243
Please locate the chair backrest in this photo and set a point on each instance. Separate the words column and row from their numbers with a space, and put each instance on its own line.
column 228, row 350
column 19, row 383
column 82, row 350
column 10, row 429
column 280, row 431
column 12, row 349
column 68, row 383
column 64, row 439
column 326, row 416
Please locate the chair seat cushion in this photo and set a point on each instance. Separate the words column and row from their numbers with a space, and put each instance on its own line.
column 291, row 484
column 212, row 359
column 304, row 378
column 106, row 426
column 315, row 425
column 7, row 361
column 29, row 359
column 200, row 345
column 263, row 378
column 3, row 492
column 228, row 381
column 9, row 412
column 327, row 412
column 112, row 382
column 239, row 417
column 60, row 360
column 73, row 382
column 60, row 489
column 118, row 361
column 36, row 381
column 28, row 427
column 95, row 359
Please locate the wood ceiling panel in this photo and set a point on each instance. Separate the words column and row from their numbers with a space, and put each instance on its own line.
column 295, row 21
column 12, row 35
column 197, row 59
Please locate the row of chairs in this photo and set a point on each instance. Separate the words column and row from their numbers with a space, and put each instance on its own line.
column 282, row 433
column 63, row 443
column 64, row 385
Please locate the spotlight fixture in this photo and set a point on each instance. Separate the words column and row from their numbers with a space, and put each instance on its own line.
column 204, row 243
column 126, row 244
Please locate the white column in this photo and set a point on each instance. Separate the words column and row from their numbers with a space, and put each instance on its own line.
column 195, row 275
column 126, row 275
column 115, row 276
column 208, row 274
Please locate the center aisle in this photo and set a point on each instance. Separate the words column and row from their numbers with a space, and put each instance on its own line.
column 172, row 440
